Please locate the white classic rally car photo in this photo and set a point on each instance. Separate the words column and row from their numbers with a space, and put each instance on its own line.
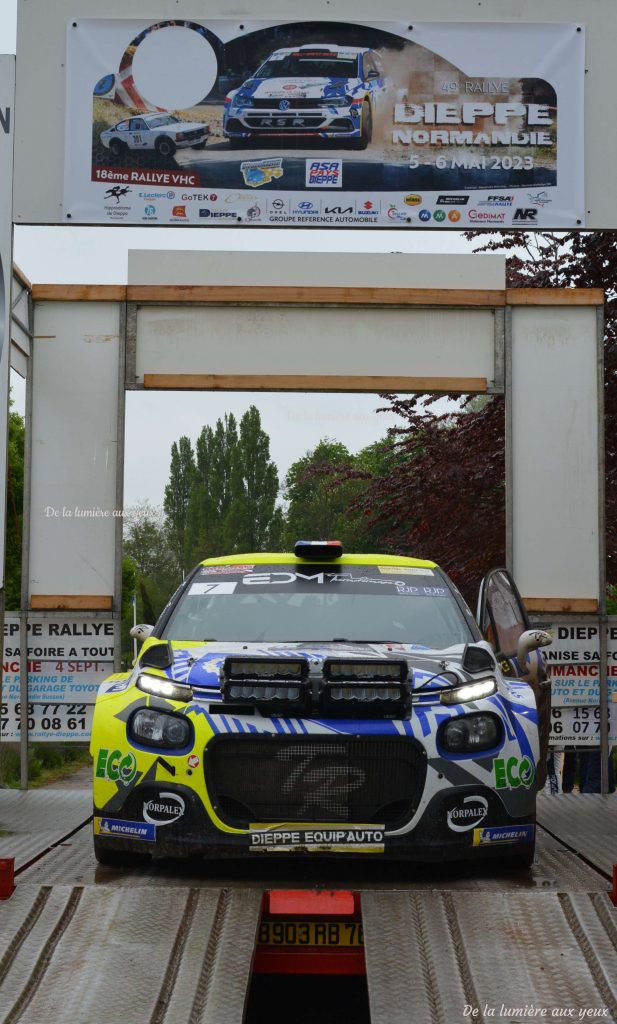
column 321, row 90
column 164, row 133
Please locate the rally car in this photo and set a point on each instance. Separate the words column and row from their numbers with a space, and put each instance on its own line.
column 317, row 90
column 164, row 133
column 321, row 703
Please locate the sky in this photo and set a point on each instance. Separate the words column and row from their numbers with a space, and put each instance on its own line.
column 295, row 422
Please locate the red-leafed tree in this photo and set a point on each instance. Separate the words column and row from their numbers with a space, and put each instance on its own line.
column 445, row 498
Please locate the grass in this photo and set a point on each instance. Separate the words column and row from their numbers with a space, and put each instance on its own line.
column 47, row 763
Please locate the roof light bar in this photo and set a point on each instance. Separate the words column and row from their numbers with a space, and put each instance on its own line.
column 318, row 550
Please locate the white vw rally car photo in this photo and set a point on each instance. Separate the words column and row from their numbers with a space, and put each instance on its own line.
column 319, row 90
column 164, row 133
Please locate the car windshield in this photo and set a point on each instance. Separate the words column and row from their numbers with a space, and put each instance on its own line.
column 309, row 65
column 160, row 122
column 311, row 603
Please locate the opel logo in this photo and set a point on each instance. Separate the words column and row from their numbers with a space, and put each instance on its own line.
column 284, row 105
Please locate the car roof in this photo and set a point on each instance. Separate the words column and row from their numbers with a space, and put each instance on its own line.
column 350, row 51
column 287, row 558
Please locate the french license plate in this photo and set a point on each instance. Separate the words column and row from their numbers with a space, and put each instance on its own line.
column 310, row 933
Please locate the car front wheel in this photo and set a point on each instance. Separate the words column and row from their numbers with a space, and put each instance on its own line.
column 165, row 147
column 366, row 128
column 117, row 147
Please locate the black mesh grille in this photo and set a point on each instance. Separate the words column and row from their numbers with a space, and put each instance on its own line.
column 376, row 780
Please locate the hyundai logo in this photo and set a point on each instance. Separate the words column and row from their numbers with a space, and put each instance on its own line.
column 284, row 105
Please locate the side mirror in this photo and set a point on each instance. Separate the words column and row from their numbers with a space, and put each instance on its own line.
column 529, row 641
column 141, row 632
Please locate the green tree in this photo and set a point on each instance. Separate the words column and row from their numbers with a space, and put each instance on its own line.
column 182, row 473
column 254, row 488
column 14, row 511
column 324, row 490
column 211, row 495
column 148, row 548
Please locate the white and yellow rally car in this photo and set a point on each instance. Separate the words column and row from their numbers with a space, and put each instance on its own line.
column 321, row 703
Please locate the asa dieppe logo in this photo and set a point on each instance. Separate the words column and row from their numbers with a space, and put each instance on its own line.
column 324, row 174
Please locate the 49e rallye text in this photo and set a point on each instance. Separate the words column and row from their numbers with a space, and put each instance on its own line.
column 328, row 704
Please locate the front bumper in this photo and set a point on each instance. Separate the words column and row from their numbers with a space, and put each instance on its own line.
column 327, row 122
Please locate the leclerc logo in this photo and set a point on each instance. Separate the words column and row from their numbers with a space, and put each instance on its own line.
column 179, row 211
column 528, row 216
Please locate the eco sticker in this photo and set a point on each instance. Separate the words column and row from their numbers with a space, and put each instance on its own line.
column 512, row 773
column 116, row 766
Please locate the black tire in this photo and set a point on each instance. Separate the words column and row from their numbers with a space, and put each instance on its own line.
column 366, row 128
column 521, row 861
column 164, row 146
column 117, row 148
column 117, row 858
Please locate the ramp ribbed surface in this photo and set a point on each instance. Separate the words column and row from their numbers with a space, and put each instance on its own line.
column 429, row 955
column 102, row 955
column 32, row 821
column 586, row 821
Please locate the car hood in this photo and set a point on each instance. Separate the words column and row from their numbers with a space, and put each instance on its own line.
column 184, row 126
column 299, row 88
column 200, row 665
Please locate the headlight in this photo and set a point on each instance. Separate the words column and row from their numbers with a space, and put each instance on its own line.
column 158, row 729
column 160, row 687
column 469, row 691
column 242, row 99
column 471, row 733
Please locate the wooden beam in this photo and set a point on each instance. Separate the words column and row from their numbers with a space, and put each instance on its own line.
column 561, row 604
column 311, row 382
column 554, row 297
column 72, row 602
column 79, row 292
column 253, row 295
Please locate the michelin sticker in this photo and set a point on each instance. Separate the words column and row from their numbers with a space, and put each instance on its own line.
column 507, row 834
column 125, row 829
column 357, row 839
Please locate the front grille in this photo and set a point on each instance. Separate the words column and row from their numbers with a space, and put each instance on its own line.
column 292, row 121
column 298, row 104
column 372, row 780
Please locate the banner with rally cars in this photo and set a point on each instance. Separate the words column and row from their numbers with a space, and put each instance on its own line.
column 310, row 123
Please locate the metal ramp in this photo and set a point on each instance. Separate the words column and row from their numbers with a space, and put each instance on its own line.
column 430, row 955
column 104, row 956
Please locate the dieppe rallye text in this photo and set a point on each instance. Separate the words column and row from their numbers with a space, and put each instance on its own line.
column 316, row 703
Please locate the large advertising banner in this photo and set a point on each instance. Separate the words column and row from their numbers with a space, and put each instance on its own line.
column 68, row 659
column 437, row 125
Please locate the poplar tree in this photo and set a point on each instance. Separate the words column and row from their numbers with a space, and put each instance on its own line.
column 177, row 495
